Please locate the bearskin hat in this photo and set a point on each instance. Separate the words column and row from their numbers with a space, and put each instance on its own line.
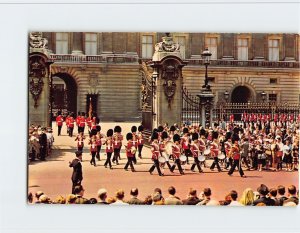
column 176, row 137
column 164, row 135
column 98, row 128
column 215, row 135
column 141, row 128
column 133, row 129
column 117, row 129
column 172, row 128
column 195, row 136
column 235, row 137
column 154, row 136
column 228, row 135
column 129, row 136
column 109, row 133
column 185, row 130
column 160, row 128
column 202, row 132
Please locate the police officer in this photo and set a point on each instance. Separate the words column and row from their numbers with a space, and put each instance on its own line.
column 77, row 170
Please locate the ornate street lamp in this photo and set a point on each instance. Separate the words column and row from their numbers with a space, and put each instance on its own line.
column 263, row 96
column 206, row 54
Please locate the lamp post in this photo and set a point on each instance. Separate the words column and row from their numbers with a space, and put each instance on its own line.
column 226, row 96
column 153, row 86
column 206, row 54
column 263, row 96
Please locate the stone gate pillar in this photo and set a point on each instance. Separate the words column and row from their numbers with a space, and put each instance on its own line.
column 167, row 76
column 38, row 80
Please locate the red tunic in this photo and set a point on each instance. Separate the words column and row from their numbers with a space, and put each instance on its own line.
column 176, row 150
column 128, row 149
column 82, row 122
column 80, row 140
column 140, row 139
column 117, row 140
column 214, row 149
column 71, row 122
column 59, row 120
column 195, row 149
column 185, row 142
column 89, row 121
column 93, row 147
column 235, row 153
column 109, row 146
column 155, row 150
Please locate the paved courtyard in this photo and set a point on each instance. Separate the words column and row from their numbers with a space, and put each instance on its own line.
column 54, row 175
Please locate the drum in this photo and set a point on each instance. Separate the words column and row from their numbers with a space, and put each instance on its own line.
column 168, row 148
column 182, row 158
column 161, row 159
column 201, row 158
column 206, row 152
column 221, row 155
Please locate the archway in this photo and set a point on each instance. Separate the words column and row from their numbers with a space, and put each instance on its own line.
column 64, row 94
column 241, row 94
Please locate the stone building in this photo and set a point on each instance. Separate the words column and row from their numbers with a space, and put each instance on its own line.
column 106, row 68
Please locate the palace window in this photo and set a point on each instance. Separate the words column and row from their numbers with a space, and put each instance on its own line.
column 90, row 43
column 273, row 50
column 272, row 97
column 181, row 41
column 273, row 80
column 243, row 49
column 147, row 46
column 62, row 42
column 212, row 44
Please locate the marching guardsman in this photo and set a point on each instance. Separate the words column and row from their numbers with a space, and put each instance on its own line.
column 141, row 140
column 162, row 149
column 94, row 129
column 82, row 123
column 155, row 154
column 109, row 147
column 117, row 141
column 130, row 152
column 160, row 129
column 172, row 132
column 228, row 145
column 99, row 144
column 67, row 122
column 185, row 143
column 80, row 144
column 214, row 149
column 176, row 151
column 196, row 150
column 59, row 122
column 235, row 154
column 93, row 150
column 78, row 118
column 89, row 123
column 71, row 125
column 134, row 140
column 231, row 118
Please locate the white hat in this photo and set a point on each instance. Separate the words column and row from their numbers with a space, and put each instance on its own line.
column 101, row 191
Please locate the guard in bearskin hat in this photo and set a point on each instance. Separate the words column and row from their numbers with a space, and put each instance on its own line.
column 109, row 147
column 134, row 140
column 214, row 149
column 176, row 151
column 140, row 140
column 117, row 142
column 195, row 150
column 162, row 145
column 236, row 155
column 155, row 154
column 130, row 152
column 185, row 143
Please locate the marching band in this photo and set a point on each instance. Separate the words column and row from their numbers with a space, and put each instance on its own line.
column 252, row 145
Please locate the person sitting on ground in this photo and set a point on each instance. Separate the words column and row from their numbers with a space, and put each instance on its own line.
column 281, row 197
column 119, row 198
column 44, row 199
column 207, row 197
column 192, row 198
column 30, row 197
column 226, row 201
column 172, row 200
column 248, row 197
column 148, row 200
column 292, row 191
column 71, row 198
column 102, row 195
column 38, row 194
column 93, row 200
column 157, row 199
column 134, row 200
column 263, row 191
column 79, row 192
column 234, row 196
column 273, row 194
column 111, row 200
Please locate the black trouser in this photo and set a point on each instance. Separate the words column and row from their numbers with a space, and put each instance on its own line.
column 59, row 130
column 93, row 160
column 155, row 165
column 279, row 164
column 196, row 163
column 244, row 159
column 178, row 163
column 215, row 163
column 108, row 159
column 187, row 153
column 98, row 152
column 255, row 161
column 140, row 147
column 71, row 131
column 74, row 184
column 129, row 163
column 43, row 152
column 116, row 155
column 80, row 148
column 134, row 159
column 236, row 163
column 32, row 155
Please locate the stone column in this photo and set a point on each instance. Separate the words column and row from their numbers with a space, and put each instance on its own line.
column 77, row 45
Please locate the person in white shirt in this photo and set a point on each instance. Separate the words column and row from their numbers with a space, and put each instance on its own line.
column 120, row 197
column 234, row 202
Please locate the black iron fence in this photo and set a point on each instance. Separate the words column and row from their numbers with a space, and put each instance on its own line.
column 190, row 113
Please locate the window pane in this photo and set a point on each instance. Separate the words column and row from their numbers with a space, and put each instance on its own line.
column 147, row 46
column 91, row 44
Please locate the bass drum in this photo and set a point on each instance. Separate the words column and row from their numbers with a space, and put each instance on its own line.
column 161, row 159
column 169, row 148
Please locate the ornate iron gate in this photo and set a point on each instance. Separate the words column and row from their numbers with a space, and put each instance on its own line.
column 190, row 113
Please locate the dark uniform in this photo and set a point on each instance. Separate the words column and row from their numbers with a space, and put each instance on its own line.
column 77, row 170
